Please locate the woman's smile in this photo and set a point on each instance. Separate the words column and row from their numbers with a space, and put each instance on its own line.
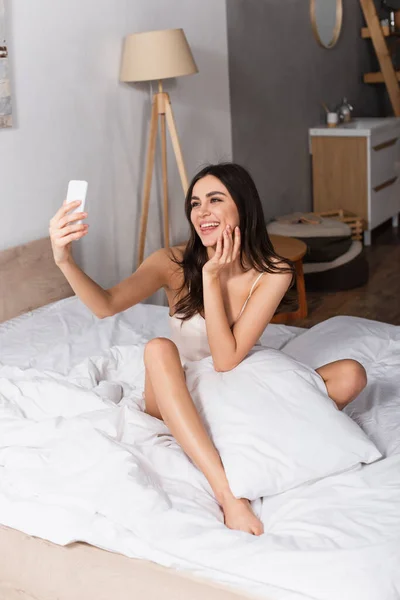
column 209, row 227
column 213, row 208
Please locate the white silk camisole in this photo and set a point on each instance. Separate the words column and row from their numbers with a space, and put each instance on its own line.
column 190, row 336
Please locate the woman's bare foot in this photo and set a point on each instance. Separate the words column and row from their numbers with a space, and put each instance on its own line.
column 239, row 515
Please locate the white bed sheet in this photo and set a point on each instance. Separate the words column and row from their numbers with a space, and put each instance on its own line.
column 336, row 538
column 72, row 333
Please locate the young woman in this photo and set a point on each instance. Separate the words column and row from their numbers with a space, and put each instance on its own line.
column 223, row 288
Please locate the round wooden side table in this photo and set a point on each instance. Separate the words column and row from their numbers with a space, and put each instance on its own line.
column 293, row 250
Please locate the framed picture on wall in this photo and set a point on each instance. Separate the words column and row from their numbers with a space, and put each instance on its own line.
column 5, row 92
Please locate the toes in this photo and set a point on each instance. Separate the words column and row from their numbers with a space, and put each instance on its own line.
column 258, row 529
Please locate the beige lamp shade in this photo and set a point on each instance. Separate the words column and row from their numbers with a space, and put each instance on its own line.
column 156, row 55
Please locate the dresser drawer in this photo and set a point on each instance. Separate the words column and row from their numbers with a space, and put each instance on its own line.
column 384, row 160
column 385, row 202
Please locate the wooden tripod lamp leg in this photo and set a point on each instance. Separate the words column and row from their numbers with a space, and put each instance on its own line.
column 165, row 180
column 147, row 180
column 176, row 145
column 162, row 101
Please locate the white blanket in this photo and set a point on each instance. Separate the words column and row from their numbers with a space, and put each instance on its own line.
column 80, row 461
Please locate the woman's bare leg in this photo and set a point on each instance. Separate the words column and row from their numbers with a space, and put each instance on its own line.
column 344, row 380
column 168, row 398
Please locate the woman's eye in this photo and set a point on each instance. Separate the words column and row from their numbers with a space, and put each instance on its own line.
column 194, row 204
column 216, row 199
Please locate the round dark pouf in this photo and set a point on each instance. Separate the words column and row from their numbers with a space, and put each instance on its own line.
column 344, row 273
column 325, row 241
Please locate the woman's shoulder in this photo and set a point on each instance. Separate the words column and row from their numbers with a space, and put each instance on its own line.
column 278, row 265
column 167, row 261
column 177, row 252
column 166, row 256
column 277, row 272
column 280, row 273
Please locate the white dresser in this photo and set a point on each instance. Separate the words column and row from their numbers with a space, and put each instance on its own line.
column 356, row 166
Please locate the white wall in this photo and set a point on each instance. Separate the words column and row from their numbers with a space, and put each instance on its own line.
column 73, row 119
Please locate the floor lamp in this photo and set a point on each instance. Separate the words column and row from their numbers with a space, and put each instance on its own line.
column 157, row 55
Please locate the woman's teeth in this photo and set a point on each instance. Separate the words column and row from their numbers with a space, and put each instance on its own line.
column 208, row 226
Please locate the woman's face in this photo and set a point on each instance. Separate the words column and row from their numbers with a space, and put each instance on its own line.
column 212, row 209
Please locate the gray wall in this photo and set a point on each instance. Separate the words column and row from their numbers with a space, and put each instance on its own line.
column 73, row 119
column 278, row 76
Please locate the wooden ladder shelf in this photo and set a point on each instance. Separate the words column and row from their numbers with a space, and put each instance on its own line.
column 387, row 74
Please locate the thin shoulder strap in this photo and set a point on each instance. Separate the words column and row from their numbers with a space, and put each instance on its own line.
column 250, row 293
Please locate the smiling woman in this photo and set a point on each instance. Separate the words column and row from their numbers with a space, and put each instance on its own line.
column 219, row 197
column 223, row 288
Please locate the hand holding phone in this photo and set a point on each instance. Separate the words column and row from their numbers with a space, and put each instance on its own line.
column 63, row 228
column 77, row 190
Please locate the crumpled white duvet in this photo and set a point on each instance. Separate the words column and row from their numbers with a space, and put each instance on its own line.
column 79, row 460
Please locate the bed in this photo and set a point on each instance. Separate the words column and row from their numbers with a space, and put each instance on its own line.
column 336, row 538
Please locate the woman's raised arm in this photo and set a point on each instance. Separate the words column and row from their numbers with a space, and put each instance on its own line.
column 149, row 277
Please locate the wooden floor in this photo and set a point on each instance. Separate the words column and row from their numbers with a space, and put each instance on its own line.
column 379, row 299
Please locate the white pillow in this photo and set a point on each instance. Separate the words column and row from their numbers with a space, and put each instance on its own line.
column 277, row 336
column 343, row 337
column 273, row 424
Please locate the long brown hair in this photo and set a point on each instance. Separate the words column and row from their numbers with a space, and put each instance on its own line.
column 256, row 250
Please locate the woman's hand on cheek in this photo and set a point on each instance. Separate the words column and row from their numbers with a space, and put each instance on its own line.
column 226, row 252
column 236, row 245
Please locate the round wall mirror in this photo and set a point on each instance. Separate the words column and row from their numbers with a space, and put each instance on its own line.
column 326, row 20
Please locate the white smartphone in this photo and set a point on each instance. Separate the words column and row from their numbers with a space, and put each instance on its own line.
column 77, row 190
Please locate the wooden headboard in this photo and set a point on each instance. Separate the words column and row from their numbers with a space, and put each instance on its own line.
column 29, row 278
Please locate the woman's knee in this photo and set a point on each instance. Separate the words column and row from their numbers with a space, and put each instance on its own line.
column 344, row 379
column 355, row 374
column 157, row 348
